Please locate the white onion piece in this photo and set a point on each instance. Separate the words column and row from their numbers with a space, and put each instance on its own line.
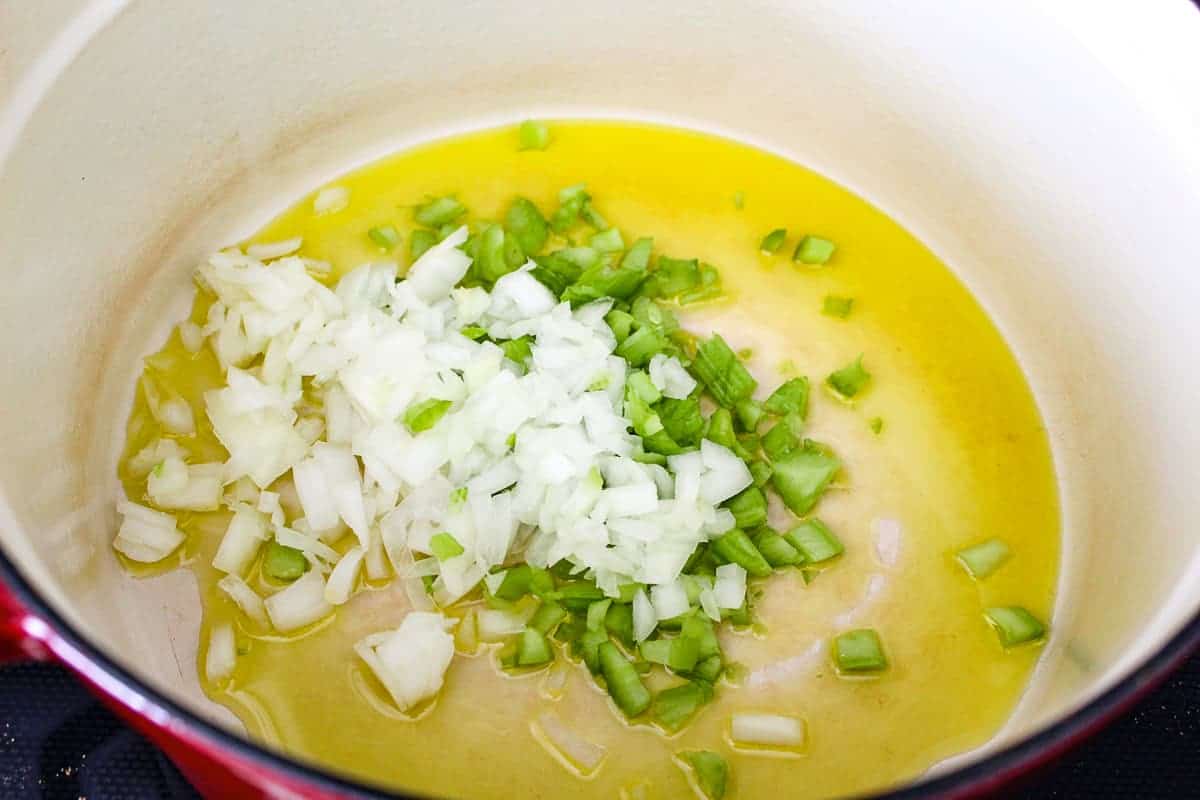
column 146, row 535
column 221, row 657
column 315, row 497
column 410, row 662
column 289, row 537
column 154, row 454
column 670, row 377
column 302, row 603
column 767, row 730
column 245, row 598
column 495, row 624
column 331, row 200
column 376, row 562
column 246, row 532
column 344, row 483
column 561, row 741
column 191, row 336
column 724, row 473
column 341, row 581
column 266, row 251
column 669, row 599
column 730, row 588
column 440, row 268
column 709, row 604
column 644, row 618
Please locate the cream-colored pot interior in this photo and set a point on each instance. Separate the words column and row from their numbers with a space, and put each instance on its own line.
column 1049, row 152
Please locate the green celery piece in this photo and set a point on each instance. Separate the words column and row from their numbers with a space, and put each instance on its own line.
column 876, row 425
column 773, row 241
column 547, row 617
column 589, row 648
column 685, row 652
column 596, row 614
column 813, row 250
column 283, row 563
column 710, row 286
column 735, row 546
column 720, row 428
column 385, row 237
column 516, row 583
column 790, row 398
column 621, row 323
column 658, row 444
column 607, row 241
column 738, row 617
column 681, row 420
column 815, row 541
column 721, row 371
column 777, row 550
column 624, row 684
column 739, row 200
column 749, row 444
column 570, row 631
column 514, row 256
column 710, row 770
column 802, row 476
column 749, row 414
column 517, row 350
column 603, row 281
column 619, row 622
column 761, row 472
column 645, row 422
column 533, row 649
column 556, row 272
column 835, row 306
column 641, row 346
column 859, row 651
column 578, row 595
column 850, row 380
column 420, row 241
column 1015, row 625
column 709, row 669
column 656, row 651
column 439, row 211
column 490, row 261
column 593, row 217
column 571, row 203
column 527, row 224
column 700, row 629
column 982, row 559
column 782, row 438
column 474, row 332
column 424, row 415
column 672, row 277
column 749, row 507
column 628, row 591
column 673, row 708
column 533, row 135
column 637, row 257
column 583, row 257
column 649, row 314
column 640, row 382
column 445, row 546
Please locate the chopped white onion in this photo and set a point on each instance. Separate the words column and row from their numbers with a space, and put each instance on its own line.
column 709, row 604
column 562, row 742
column 345, row 574
column 302, row 603
column 767, row 730
column 495, row 624
column 266, row 251
column 724, row 473
column 221, row 657
column 146, row 535
column 376, row 560
column 410, row 662
column 246, row 532
column 644, row 618
column 331, row 200
column 670, row 377
column 730, row 588
column 669, row 599
column 245, row 598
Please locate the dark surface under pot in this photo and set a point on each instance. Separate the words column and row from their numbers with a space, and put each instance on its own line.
column 58, row 743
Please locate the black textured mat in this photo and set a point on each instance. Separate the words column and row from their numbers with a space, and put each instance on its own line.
column 57, row 743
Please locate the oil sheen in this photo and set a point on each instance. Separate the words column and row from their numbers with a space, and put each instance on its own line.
column 962, row 456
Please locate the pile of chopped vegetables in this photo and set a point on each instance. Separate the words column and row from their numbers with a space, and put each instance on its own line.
column 518, row 431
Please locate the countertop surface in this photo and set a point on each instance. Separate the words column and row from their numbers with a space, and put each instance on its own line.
column 58, row 743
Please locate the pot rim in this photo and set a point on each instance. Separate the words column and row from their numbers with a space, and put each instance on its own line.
column 974, row 779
